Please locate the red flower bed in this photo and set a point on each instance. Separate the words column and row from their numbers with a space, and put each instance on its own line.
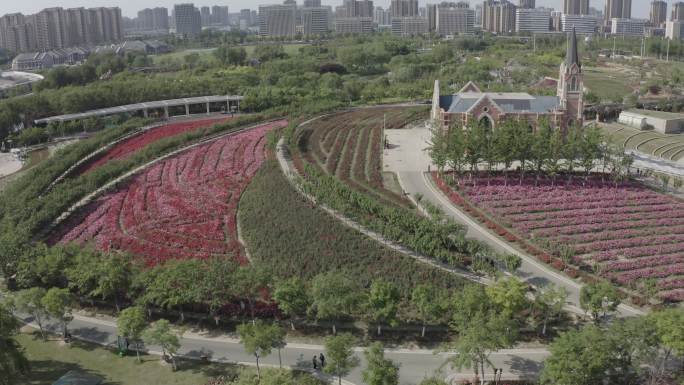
column 631, row 232
column 127, row 147
column 182, row 207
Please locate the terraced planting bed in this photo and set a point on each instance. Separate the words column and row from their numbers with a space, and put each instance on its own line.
column 182, row 207
column 127, row 147
column 670, row 147
column 349, row 146
column 628, row 234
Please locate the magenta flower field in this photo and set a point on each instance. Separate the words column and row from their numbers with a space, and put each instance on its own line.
column 182, row 207
column 627, row 234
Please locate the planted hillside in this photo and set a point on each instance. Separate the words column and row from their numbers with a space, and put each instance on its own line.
column 283, row 230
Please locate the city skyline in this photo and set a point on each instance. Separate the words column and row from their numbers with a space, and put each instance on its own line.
column 130, row 8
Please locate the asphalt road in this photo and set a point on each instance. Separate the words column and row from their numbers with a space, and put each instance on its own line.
column 414, row 364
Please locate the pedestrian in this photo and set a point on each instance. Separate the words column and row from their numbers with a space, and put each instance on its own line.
column 322, row 358
column 315, row 362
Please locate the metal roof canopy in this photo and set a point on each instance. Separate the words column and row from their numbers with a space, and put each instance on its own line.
column 141, row 106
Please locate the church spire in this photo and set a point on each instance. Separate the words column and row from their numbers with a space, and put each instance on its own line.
column 572, row 57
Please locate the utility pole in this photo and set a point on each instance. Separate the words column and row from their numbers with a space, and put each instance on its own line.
column 668, row 50
column 613, row 47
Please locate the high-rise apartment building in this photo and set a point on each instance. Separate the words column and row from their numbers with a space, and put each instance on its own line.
column 356, row 8
column 409, row 26
column 188, row 20
column 382, row 16
column 532, row 20
column 674, row 30
column 404, row 8
column 453, row 19
column 617, row 9
column 678, row 11
column 498, row 16
column 316, row 20
column 50, row 29
column 220, row 15
column 526, row 4
column 277, row 20
column 153, row 19
column 353, row 25
column 576, row 7
column 312, row 3
column 658, row 15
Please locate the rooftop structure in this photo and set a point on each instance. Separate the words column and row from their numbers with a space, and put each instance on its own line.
column 663, row 122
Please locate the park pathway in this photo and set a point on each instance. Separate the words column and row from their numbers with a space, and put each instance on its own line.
column 409, row 160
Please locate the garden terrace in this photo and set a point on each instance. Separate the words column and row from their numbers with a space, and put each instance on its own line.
column 627, row 233
column 126, row 148
column 182, row 207
column 349, row 146
column 282, row 229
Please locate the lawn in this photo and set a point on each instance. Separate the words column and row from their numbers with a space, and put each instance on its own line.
column 607, row 84
column 50, row 360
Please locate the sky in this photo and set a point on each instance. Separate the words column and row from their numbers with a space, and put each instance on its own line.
column 131, row 7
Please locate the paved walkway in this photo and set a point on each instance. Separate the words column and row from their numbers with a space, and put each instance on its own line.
column 409, row 160
column 415, row 364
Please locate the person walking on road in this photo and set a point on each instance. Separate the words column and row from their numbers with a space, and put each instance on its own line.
column 314, row 361
column 322, row 359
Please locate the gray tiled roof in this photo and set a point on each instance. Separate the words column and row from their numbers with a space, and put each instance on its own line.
column 508, row 102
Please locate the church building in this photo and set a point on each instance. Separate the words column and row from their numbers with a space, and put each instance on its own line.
column 471, row 105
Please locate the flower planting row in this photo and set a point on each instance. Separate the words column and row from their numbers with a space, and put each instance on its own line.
column 627, row 233
column 183, row 207
column 349, row 146
column 125, row 148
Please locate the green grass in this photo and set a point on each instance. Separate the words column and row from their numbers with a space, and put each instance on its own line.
column 50, row 360
column 608, row 85
column 208, row 55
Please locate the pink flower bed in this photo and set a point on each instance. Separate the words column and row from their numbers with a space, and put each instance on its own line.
column 127, row 147
column 182, row 207
column 632, row 233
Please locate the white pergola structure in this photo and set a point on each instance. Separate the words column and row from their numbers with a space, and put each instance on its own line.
column 230, row 100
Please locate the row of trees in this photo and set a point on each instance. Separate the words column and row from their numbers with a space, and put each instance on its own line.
column 545, row 151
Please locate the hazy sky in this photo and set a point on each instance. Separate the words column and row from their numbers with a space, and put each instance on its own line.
column 131, row 7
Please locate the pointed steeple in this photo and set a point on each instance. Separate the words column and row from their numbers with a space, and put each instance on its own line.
column 572, row 57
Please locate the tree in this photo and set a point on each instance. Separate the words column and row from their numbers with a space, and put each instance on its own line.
column 599, row 299
column 172, row 285
column 590, row 148
column 429, row 301
column 670, row 331
column 30, row 301
column 131, row 324
column 217, row 285
column 13, row 362
column 159, row 333
column 249, row 281
column 334, row 296
column 341, row 358
column 554, row 155
column 587, row 356
column 509, row 295
column 95, row 275
column 380, row 371
column 58, row 305
column 438, row 146
column 383, row 303
column 541, row 145
column 259, row 339
column 549, row 301
column 292, row 298
column 483, row 335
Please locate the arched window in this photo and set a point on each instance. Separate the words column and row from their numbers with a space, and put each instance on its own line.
column 486, row 122
column 574, row 84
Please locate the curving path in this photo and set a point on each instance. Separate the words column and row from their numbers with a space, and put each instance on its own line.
column 409, row 161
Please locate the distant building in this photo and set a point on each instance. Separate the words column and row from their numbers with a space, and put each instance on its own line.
column 355, row 8
column 527, row 4
column 663, row 122
column 628, row 27
column 153, row 19
column 498, row 16
column 658, row 15
column 188, row 20
column 532, row 20
column 617, row 9
column 409, row 26
column 678, row 11
column 316, row 21
column 576, row 7
column 404, row 8
column 674, row 30
column 583, row 24
column 452, row 19
column 220, row 15
column 32, row 61
column 312, row 3
column 277, row 20
column 382, row 16
column 353, row 25
column 556, row 21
